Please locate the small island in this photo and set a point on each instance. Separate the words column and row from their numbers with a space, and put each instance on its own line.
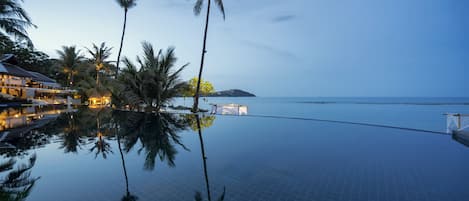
column 231, row 93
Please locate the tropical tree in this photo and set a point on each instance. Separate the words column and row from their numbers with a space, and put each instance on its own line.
column 156, row 82
column 88, row 87
column 126, row 5
column 205, row 88
column 69, row 58
column 27, row 57
column 99, row 58
column 17, row 183
column 197, row 9
column 14, row 20
column 131, row 89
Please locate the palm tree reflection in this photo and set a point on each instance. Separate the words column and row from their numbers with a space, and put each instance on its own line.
column 17, row 184
column 199, row 127
column 127, row 196
column 79, row 129
column 101, row 146
column 157, row 134
column 103, row 129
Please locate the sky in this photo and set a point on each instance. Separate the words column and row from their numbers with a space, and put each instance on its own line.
column 277, row 48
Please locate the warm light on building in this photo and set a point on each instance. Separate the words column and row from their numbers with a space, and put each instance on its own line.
column 99, row 101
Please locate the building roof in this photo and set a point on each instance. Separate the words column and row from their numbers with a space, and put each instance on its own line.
column 7, row 67
column 16, row 70
column 40, row 77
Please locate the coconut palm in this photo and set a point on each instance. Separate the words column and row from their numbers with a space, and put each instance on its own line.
column 197, row 9
column 126, row 5
column 99, row 56
column 156, row 82
column 69, row 58
column 17, row 183
column 132, row 82
column 14, row 20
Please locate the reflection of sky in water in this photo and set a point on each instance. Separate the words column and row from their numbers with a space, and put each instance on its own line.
column 421, row 113
column 257, row 158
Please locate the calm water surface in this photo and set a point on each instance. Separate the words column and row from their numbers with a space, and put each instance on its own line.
column 99, row 154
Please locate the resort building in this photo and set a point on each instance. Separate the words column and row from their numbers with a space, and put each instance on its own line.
column 16, row 82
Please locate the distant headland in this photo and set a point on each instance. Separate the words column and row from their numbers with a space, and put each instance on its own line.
column 231, row 93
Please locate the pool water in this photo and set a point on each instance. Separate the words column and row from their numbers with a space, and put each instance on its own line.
column 100, row 154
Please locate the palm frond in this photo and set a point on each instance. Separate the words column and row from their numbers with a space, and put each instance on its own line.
column 198, row 7
column 221, row 7
column 14, row 20
column 127, row 4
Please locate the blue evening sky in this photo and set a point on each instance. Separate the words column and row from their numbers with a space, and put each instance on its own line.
column 285, row 47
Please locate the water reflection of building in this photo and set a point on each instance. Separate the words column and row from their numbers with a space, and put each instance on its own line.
column 16, row 122
column 16, row 82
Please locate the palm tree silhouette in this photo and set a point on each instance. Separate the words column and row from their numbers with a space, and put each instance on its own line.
column 101, row 145
column 126, row 5
column 157, row 80
column 99, row 56
column 72, row 140
column 158, row 134
column 198, row 196
column 17, row 183
column 197, row 10
column 14, row 20
column 69, row 58
column 127, row 196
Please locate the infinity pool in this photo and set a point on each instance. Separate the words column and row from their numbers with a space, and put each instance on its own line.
column 109, row 155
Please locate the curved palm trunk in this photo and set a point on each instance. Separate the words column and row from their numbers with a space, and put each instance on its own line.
column 71, row 79
column 204, row 157
column 195, row 108
column 123, row 166
column 97, row 78
column 122, row 42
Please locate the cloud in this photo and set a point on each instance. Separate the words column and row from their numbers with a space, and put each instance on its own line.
column 283, row 18
column 272, row 50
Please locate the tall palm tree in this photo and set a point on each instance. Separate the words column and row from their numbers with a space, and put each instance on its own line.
column 99, row 56
column 197, row 9
column 156, row 82
column 69, row 58
column 14, row 20
column 126, row 5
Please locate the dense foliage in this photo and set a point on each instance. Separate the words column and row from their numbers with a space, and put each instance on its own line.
column 206, row 88
column 28, row 57
column 153, row 83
